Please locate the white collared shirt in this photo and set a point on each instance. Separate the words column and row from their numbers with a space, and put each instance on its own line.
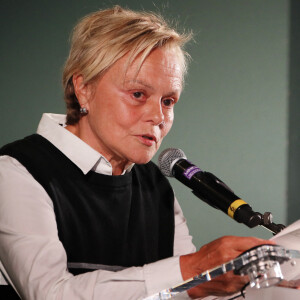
column 33, row 259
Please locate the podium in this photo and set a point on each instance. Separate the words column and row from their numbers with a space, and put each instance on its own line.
column 290, row 239
column 273, row 270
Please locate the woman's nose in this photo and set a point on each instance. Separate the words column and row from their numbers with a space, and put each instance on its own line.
column 155, row 113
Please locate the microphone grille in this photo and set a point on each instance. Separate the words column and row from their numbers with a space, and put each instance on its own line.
column 167, row 158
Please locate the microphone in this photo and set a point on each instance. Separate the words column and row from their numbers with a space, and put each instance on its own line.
column 173, row 163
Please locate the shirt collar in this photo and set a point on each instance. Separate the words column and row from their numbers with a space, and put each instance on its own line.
column 81, row 154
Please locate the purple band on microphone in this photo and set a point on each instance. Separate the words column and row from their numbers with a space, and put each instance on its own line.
column 191, row 171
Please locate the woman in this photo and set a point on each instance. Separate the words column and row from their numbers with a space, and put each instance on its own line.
column 70, row 227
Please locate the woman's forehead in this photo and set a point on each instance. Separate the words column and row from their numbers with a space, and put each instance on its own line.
column 160, row 62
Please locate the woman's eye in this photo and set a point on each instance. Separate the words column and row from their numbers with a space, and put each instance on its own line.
column 168, row 102
column 137, row 95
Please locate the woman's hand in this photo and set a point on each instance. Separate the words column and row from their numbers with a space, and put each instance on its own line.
column 213, row 254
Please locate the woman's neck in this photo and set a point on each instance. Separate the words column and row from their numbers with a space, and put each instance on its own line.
column 78, row 129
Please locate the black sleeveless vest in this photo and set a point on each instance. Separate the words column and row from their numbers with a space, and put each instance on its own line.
column 123, row 220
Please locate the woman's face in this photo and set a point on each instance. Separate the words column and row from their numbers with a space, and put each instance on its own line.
column 130, row 113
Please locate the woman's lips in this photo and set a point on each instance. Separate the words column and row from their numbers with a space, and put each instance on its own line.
column 147, row 140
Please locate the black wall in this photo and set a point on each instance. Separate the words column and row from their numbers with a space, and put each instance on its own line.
column 294, row 117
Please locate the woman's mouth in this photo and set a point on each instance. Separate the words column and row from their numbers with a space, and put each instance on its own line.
column 147, row 140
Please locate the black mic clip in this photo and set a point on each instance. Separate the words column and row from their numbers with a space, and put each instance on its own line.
column 266, row 221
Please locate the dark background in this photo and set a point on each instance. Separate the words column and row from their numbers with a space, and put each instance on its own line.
column 238, row 116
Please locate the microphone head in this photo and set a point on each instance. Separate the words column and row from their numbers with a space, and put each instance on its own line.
column 168, row 158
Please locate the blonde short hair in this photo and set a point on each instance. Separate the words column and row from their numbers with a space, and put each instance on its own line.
column 103, row 37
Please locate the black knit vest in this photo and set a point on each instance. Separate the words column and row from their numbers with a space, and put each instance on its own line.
column 123, row 220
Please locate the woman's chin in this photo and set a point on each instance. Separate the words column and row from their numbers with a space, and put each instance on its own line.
column 142, row 159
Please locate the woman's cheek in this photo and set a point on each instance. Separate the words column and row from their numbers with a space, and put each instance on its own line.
column 169, row 116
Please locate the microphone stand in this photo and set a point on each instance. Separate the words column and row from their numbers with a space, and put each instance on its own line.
column 266, row 221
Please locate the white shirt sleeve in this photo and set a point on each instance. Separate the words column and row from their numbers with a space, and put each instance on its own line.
column 34, row 261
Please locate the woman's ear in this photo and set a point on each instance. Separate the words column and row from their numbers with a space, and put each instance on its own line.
column 82, row 90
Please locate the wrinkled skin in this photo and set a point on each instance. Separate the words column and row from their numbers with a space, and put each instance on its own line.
column 130, row 111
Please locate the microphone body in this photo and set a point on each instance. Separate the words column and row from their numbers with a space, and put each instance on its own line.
column 173, row 163
column 214, row 192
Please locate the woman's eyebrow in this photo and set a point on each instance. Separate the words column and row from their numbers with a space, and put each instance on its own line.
column 141, row 82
